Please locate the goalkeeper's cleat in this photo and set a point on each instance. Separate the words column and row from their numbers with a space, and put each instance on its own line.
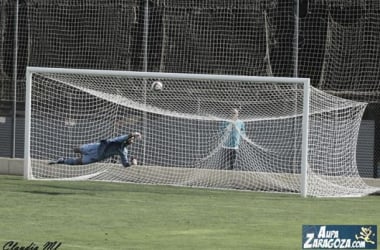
column 59, row 161
column 52, row 162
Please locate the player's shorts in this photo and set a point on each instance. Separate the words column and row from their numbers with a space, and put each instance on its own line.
column 89, row 153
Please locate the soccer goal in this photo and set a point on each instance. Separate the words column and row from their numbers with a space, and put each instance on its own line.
column 218, row 131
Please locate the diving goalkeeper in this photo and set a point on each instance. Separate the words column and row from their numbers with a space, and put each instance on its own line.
column 104, row 149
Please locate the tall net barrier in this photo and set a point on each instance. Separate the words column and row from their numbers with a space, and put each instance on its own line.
column 199, row 130
column 161, row 36
column 335, row 43
column 351, row 64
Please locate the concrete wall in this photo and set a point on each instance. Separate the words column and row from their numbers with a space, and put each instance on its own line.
column 11, row 166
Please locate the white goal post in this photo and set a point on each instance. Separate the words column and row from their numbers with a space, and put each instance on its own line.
column 294, row 138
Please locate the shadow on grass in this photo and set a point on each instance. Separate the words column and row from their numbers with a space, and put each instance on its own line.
column 48, row 193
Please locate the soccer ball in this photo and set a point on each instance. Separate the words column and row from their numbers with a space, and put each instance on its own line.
column 157, row 86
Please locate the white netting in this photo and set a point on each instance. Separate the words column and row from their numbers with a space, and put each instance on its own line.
column 186, row 131
column 336, row 43
column 351, row 63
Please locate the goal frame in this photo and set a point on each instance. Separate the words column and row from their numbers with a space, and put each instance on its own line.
column 287, row 80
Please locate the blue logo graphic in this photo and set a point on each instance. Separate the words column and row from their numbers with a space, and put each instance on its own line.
column 339, row 237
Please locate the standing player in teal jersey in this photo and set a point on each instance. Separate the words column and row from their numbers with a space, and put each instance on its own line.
column 95, row 152
column 235, row 129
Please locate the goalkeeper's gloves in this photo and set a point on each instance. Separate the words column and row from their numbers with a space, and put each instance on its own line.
column 134, row 161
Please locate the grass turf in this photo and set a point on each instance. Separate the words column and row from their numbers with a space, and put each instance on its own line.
column 99, row 215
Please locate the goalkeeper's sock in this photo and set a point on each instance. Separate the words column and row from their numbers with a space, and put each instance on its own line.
column 70, row 161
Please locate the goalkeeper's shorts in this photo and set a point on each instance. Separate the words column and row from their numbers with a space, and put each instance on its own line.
column 89, row 153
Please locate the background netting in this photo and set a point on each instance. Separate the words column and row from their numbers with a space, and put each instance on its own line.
column 335, row 43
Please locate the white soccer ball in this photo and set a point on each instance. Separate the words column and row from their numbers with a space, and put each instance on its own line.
column 157, row 86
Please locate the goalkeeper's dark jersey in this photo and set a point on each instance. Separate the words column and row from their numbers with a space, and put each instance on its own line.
column 106, row 148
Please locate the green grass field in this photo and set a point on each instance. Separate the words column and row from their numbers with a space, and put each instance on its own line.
column 99, row 215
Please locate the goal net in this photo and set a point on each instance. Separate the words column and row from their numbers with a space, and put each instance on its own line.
column 217, row 131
